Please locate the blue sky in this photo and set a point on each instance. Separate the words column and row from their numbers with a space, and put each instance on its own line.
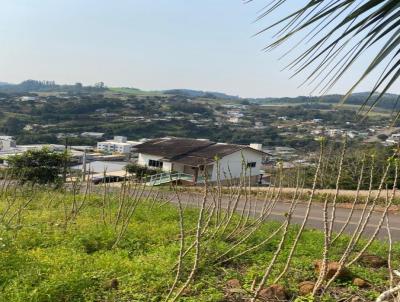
column 149, row 44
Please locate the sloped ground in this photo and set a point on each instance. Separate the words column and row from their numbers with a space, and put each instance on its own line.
column 48, row 256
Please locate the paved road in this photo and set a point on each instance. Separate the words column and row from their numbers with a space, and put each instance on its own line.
column 315, row 219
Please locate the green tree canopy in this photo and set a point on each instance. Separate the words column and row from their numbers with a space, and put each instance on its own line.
column 38, row 166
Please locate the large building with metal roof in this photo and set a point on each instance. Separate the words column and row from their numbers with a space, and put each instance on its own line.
column 201, row 158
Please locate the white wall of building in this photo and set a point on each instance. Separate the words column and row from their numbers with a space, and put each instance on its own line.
column 167, row 166
column 143, row 160
column 7, row 143
column 114, row 147
column 178, row 167
column 231, row 165
column 92, row 134
column 118, row 144
column 120, row 139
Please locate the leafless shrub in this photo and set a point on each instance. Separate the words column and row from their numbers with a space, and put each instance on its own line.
column 229, row 211
column 197, row 246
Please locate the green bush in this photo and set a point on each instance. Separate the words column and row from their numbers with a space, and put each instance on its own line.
column 141, row 171
column 38, row 166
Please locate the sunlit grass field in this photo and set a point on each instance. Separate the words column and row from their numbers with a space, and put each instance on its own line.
column 46, row 256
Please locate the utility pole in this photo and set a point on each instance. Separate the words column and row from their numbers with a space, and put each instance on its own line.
column 65, row 160
column 84, row 165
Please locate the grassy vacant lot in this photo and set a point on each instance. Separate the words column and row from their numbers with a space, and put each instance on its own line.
column 48, row 256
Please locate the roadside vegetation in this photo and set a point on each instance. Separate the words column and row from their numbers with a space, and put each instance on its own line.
column 38, row 167
column 83, row 242
column 47, row 256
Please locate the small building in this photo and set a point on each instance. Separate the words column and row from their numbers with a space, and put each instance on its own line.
column 92, row 134
column 316, row 132
column 235, row 113
column 234, row 120
column 7, row 143
column 35, row 147
column 317, row 120
column 102, row 171
column 351, row 134
column 66, row 135
column 259, row 125
column 199, row 158
column 110, row 114
column 334, row 132
column 393, row 139
column 101, row 167
column 119, row 144
column 28, row 99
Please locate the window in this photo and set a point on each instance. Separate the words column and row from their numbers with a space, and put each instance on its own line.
column 251, row 164
column 155, row 163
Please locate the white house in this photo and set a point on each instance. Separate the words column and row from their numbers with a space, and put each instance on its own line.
column 235, row 113
column 199, row 158
column 234, row 120
column 334, row 132
column 7, row 143
column 393, row 139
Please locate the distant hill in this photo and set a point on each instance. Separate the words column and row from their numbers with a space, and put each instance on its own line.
column 201, row 94
column 388, row 101
column 48, row 86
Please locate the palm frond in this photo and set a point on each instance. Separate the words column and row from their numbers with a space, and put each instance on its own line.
column 339, row 33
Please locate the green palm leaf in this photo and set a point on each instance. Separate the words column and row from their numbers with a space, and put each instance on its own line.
column 339, row 33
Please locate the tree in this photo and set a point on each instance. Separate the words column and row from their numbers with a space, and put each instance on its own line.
column 77, row 87
column 99, row 85
column 13, row 125
column 38, row 166
column 340, row 33
column 140, row 171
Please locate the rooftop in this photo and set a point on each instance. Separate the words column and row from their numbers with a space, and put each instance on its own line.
column 171, row 147
column 6, row 137
column 102, row 166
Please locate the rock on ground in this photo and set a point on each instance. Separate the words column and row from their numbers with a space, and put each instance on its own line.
column 332, row 268
column 361, row 283
column 233, row 283
column 373, row 261
column 275, row 292
column 306, row 287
